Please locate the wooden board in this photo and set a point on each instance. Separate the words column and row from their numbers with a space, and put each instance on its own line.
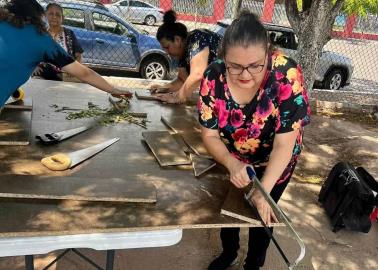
column 201, row 164
column 26, row 104
column 145, row 95
column 190, row 130
column 166, row 150
column 75, row 188
column 237, row 207
column 181, row 124
column 15, row 126
column 194, row 141
column 179, row 139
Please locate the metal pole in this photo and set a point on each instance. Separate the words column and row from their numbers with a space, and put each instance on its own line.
column 236, row 7
column 29, row 262
column 109, row 259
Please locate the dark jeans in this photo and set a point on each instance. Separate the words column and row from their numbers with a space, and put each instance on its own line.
column 258, row 241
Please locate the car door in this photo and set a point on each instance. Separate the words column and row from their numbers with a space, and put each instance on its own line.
column 283, row 41
column 114, row 45
column 287, row 41
column 77, row 21
column 138, row 11
column 121, row 9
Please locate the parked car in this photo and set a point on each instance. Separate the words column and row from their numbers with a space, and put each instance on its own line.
column 334, row 70
column 110, row 42
column 137, row 11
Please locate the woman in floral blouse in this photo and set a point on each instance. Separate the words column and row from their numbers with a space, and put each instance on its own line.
column 253, row 107
column 195, row 50
column 64, row 37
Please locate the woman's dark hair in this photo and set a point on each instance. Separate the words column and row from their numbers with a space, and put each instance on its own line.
column 170, row 28
column 52, row 4
column 244, row 31
column 22, row 12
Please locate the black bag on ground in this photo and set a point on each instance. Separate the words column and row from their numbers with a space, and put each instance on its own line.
column 349, row 197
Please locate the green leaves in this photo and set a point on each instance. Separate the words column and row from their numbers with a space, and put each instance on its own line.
column 105, row 116
column 357, row 7
column 360, row 7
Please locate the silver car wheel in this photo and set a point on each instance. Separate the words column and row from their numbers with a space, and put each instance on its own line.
column 336, row 81
column 150, row 20
column 155, row 70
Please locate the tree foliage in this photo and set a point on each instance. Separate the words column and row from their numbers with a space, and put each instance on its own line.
column 360, row 7
column 357, row 7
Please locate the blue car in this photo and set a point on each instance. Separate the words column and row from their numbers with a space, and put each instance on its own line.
column 110, row 42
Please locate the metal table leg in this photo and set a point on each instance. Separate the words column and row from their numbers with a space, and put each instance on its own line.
column 29, row 262
column 109, row 259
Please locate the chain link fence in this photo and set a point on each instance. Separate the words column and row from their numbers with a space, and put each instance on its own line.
column 118, row 38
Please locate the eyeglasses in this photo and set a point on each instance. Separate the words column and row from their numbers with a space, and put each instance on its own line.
column 236, row 69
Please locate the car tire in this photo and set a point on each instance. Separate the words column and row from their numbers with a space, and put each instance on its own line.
column 150, row 20
column 334, row 80
column 154, row 68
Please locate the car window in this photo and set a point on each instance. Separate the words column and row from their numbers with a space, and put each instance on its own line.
column 138, row 4
column 104, row 23
column 74, row 17
column 123, row 4
column 280, row 39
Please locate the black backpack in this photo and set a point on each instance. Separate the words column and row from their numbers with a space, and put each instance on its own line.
column 349, row 196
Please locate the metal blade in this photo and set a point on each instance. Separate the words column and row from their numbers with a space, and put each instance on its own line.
column 70, row 132
column 278, row 212
column 81, row 155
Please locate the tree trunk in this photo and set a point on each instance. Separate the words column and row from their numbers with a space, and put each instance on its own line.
column 313, row 26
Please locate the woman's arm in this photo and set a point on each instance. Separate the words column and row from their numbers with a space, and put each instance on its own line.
column 79, row 57
column 91, row 77
column 172, row 86
column 198, row 65
column 280, row 157
column 217, row 149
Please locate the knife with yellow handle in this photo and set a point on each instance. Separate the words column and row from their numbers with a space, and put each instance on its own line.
column 61, row 161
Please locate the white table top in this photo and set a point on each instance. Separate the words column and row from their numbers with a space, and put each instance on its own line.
column 18, row 246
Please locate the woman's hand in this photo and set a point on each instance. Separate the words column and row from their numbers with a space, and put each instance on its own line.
column 238, row 173
column 158, row 88
column 265, row 211
column 172, row 98
column 38, row 70
column 121, row 93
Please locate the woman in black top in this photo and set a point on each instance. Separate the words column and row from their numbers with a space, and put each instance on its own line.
column 195, row 50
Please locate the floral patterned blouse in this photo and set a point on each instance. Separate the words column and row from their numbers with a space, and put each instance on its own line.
column 198, row 40
column 279, row 106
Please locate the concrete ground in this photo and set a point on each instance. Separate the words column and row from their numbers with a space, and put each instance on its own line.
column 328, row 139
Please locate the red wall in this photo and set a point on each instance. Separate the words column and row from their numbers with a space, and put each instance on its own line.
column 219, row 7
